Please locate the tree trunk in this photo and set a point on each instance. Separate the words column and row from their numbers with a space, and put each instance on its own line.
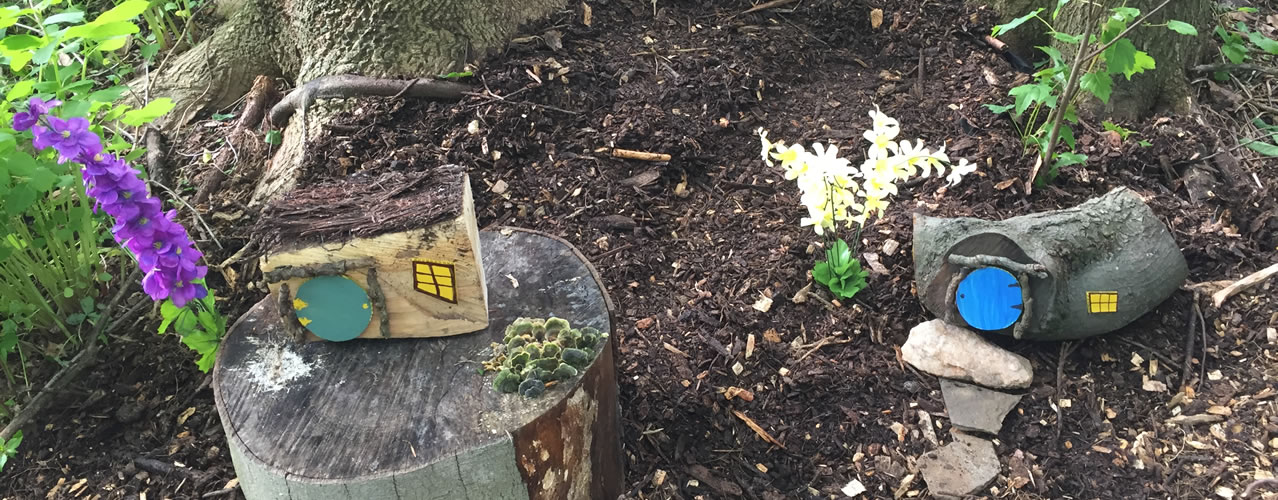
column 1164, row 89
column 301, row 40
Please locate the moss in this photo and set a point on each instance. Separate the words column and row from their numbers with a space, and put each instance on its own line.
column 535, row 351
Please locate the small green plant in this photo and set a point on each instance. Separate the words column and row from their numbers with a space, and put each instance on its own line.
column 1103, row 53
column 836, row 193
column 9, row 449
column 198, row 324
column 538, row 352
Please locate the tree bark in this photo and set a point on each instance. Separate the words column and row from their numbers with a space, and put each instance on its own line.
column 300, row 40
column 1164, row 89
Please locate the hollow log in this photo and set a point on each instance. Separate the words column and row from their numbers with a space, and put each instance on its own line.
column 416, row 418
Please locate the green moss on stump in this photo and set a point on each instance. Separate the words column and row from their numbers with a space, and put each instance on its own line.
column 535, row 352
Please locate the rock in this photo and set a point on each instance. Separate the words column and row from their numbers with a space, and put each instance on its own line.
column 975, row 408
column 954, row 352
column 961, row 468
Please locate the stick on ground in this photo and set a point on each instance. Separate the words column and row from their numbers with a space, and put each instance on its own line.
column 1254, row 279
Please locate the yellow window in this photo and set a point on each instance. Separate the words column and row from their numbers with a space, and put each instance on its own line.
column 1102, row 302
column 435, row 279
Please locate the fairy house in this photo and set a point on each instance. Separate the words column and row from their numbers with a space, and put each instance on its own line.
column 391, row 256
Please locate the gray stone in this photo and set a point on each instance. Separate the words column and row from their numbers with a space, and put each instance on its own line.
column 977, row 409
column 961, row 468
column 955, row 352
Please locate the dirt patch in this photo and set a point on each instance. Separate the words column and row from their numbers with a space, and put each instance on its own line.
column 688, row 247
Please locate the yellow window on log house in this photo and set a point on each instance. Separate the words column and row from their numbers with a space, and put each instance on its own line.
column 435, row 279
column 1102, row 302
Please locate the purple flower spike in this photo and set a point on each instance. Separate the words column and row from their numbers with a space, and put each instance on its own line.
column 161, row 245
column 71, row 138
column 36, row 109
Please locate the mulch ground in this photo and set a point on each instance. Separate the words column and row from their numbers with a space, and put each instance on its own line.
column 688, row 248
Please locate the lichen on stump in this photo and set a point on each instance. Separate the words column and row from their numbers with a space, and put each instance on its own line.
column 409, row 240
column 415, row 418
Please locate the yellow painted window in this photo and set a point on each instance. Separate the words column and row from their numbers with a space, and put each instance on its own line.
column 1102, row 302
column 435, row 279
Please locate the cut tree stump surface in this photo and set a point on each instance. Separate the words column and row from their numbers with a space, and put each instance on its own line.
column 400, row 415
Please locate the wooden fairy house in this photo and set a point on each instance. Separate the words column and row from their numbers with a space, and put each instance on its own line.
column 379, row 257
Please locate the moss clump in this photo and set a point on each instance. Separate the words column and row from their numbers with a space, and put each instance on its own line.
column 536, row 352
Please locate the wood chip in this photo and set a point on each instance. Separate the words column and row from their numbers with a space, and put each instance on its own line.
column 737, row 368
column 1223, row 411
column 891, row 246
column 872, row 259
column 900, row 431
column 749, row 346
column 185, row 415
column 757, row 430
column 644, row 324
column 876, row 20
column 674, row 349
column 764, row 304
column 771, row 336
column 585, row 13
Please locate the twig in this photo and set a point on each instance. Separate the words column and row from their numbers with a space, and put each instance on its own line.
column 157, row 467
column 764, row 6
column 1162, row 357
column 86, row 357
column 1254, row 279
column 173, row 194
column 610, row 253
column 1067, row 348
column 757, row 430
column 221, row 492
column 1208, row 68
column 1257, row 484
column 1191, row 331
column 639, row 155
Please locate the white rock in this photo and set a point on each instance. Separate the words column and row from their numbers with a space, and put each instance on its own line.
column 950, row 351
column 961, row 468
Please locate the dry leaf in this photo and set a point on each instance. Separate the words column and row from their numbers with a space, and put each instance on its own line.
column 757, row 430
column 185, row 415
column 1005, row 184
column 876, row 18
column 771, row 336
column 644, row 323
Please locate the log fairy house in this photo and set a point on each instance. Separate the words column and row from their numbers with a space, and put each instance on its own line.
column 380, row 257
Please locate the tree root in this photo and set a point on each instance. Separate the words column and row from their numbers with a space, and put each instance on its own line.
column 327, row 87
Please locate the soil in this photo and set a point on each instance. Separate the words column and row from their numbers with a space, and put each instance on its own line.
column 694, row 249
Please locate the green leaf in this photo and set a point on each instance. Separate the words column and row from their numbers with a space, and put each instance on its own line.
column 1066, row 135
column 1057, row 10
column 148, row 113
column 1249, row 10
column 1182, row 27
column 1099, row 84
column 21, row 42
column 64, row 17
column 109, row 94
column 1120, row 57
column 1057, row 59
column 822, row 274
column 273, row 137
column 1126, row 13
column 999, row 109
column 149, row 50
column 101, row 31
column 112, row 44
column 1265, row 43
column 1263, row 148
column 456, row 74
column 41, row 179
column 1004, row 28
column 45, row 53
column 1067, row 159
column 1028, row 94
column 1235, row 52
column 123, row 12
column 1066, row 37
column 19, row 60
column 1143, row 62
column 19, row 90
column 168, row 310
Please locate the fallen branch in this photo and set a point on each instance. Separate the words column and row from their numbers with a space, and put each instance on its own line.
column 1254, row 279
column 87, row 356
column 639, row 155
column 340, row 86
column 1190, row 334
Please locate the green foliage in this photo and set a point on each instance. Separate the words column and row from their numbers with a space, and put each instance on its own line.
column 1237, row 44
column 9, row 449
column 841, row 272
column 1269, row 148
column 199, row 325
column 535, row 352
column 1047, row 91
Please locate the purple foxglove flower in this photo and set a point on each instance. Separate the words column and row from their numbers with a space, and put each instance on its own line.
column 36, row 108
column 71, row 138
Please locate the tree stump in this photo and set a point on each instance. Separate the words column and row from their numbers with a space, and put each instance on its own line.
column 415, row 418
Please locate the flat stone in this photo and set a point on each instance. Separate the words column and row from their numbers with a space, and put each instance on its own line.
column 975, row 408
column 961, row 468
column 955, row 352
